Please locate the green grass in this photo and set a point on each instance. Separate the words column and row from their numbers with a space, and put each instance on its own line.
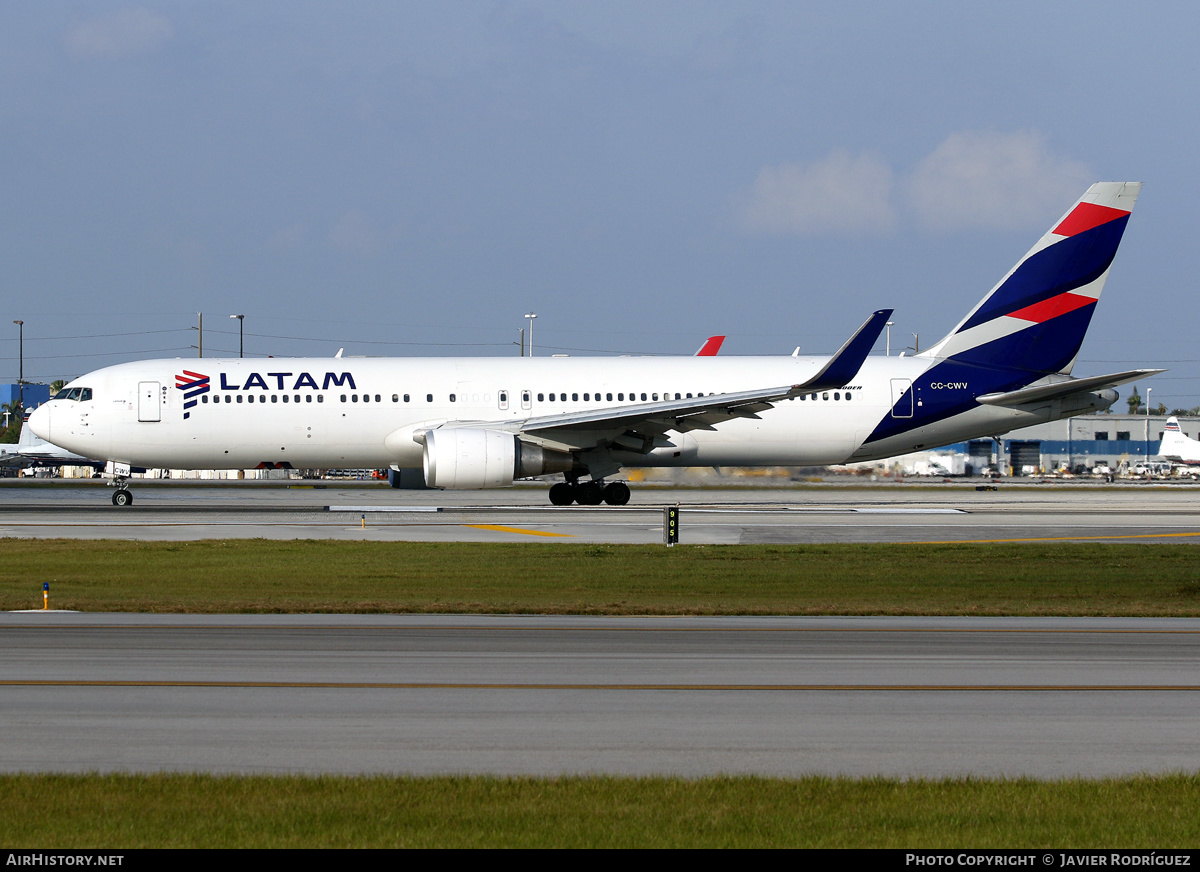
column 263, row 576
column 178, row 811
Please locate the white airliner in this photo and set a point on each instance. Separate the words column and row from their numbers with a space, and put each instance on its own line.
column 1177, row 446
column 483, row 422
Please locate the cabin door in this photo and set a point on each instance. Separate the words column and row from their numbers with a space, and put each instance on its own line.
column 149, row 401
column 902, row 401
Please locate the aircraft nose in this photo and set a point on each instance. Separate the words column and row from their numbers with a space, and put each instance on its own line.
column 39, row 421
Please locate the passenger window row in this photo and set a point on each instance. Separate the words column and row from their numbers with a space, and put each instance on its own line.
column 634, row 397
column 262, row 398
column 561, row 397
column 86, row 394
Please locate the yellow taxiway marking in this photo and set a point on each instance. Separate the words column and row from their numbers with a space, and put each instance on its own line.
column 443, row 685
column 500, row 529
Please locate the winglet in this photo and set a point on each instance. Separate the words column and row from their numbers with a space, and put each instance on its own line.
column 710, row 347
column 844, row 366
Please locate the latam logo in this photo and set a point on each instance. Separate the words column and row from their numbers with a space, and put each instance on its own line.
column 193, row 384
column 301, row 381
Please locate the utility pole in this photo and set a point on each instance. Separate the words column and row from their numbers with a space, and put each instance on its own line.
column 200, row 344
column 1148, row 390
column 21, row 371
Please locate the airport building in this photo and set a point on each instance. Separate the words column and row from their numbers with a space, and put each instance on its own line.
column 1088, row 443
column 33, row 395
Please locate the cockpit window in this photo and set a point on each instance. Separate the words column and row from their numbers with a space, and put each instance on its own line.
column 79, row 394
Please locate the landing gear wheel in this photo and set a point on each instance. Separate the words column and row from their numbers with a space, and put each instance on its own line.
column 590, row 493
column 562, row 494
column 122, row 498
column 616, row 493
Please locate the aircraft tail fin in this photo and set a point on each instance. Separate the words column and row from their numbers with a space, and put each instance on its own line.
column 27, row 439
column 1176, row 444
column 1036, row 317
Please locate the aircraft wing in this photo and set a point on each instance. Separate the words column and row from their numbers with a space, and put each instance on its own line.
column 640, row 427
column 1058, row 390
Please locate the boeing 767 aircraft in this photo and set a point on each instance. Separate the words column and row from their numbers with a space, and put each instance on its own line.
column 483, row 422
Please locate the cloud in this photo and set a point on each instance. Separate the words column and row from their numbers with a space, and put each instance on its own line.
column 125, row 32
column 838, row 194
column 996, row 181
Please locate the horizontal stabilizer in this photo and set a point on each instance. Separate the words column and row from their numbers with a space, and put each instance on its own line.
column 1066, row 388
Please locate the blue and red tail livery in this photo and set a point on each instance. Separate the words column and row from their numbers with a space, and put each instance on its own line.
column 1028, row 330
column 1036, row 317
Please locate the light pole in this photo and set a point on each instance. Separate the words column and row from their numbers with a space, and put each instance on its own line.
column 889, row 324
column 21, row 371
column 241, row 345
column 1148, row 390
column 530, row 316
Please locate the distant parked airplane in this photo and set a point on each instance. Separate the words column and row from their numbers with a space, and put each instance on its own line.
column 1178, row 447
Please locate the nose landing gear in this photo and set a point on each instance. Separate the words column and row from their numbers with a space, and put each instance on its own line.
column 122, row 496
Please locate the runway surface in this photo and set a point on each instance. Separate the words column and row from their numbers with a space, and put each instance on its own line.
column 884, row 513
column 540, row 695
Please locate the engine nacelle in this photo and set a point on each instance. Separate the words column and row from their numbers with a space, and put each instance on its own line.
column 468, row 459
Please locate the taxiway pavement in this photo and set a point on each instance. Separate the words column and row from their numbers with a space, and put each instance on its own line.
column 884, row 513
column 547, row 695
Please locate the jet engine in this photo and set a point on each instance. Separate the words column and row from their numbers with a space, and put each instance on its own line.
column 465, row 459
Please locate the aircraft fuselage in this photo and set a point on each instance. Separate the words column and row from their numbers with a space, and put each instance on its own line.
column 364, row 412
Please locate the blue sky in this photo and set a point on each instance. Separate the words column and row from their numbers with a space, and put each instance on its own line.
column 410, row 178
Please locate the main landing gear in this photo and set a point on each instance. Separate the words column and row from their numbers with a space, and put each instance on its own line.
column 589, row 493
column 122, row 496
